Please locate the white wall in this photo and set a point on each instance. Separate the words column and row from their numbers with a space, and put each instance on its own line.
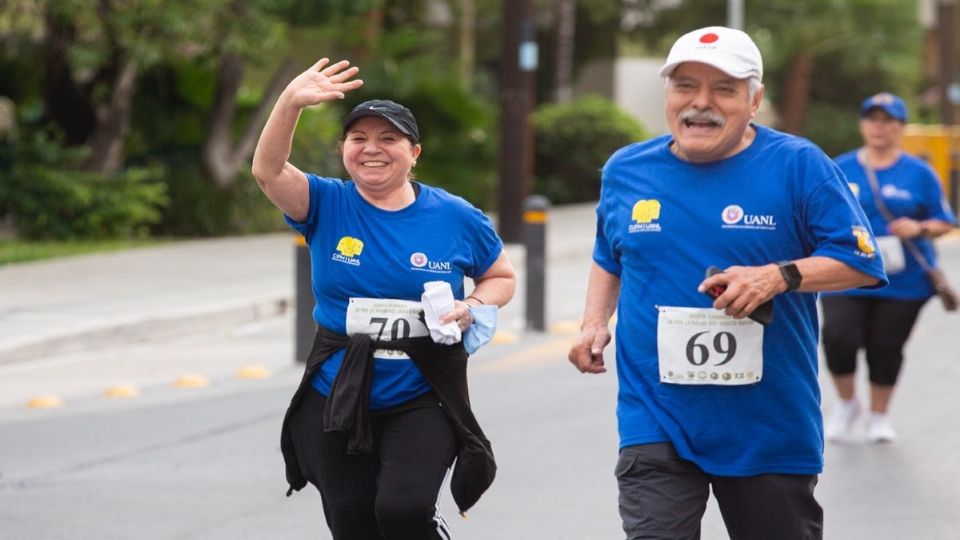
column 638, row 89
column 632, row 83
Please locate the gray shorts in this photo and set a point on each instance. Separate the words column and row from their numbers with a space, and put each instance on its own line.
column 663, row 496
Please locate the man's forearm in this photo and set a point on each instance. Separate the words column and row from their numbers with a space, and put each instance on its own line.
column 603, row 292
column 826, row 274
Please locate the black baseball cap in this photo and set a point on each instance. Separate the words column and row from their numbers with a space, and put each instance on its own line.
column 393, row 112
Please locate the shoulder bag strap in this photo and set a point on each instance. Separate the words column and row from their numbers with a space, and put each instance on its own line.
column 885, row 212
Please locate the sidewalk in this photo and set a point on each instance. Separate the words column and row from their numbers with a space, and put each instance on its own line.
column 84, row 302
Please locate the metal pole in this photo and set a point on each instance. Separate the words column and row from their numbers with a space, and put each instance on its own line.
column 954, row 186
column 946, row 14
column 306, row 328
column 566, row 14
column 8, row 133
column 519, row 63
column 735, row 14
column 535, row 211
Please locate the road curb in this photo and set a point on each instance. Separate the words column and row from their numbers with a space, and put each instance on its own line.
column 119, row 332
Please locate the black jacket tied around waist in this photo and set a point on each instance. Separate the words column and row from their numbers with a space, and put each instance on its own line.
column 445, row 369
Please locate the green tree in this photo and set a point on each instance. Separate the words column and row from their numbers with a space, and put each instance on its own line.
column 574, row 140
column 819, row 55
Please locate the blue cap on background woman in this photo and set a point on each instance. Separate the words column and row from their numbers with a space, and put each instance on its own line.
column 886, row 102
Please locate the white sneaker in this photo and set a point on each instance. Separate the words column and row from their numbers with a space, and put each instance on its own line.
column 879, row 428
column 840, row 424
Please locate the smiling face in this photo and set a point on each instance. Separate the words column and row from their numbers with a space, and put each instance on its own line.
column 377, row 156
column 709, row 112
column 880, row 131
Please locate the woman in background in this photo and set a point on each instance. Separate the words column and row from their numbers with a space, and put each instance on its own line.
column 903, row 199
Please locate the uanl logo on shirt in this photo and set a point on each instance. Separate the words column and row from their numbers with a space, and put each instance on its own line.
column 420, row 261
column 644, row 217
column 348, row 250
column 865, row 245
column 734, row 217
column 893, row 192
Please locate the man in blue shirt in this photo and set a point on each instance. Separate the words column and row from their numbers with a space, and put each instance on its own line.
column 708, row 396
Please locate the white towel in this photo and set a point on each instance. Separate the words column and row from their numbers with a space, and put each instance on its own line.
column 437, row 300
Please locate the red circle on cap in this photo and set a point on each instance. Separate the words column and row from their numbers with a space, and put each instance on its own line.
column 709, row 38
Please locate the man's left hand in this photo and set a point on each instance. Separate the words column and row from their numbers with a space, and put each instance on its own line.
column 745, row 288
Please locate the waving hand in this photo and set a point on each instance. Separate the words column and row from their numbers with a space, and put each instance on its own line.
column 322, row 82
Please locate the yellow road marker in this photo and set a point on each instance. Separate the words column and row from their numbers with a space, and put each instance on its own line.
column 253, row 372
column 121, row 391
column 45, row 401
column 192, row 380
column 565, row 327
column 503, row 337
column 554, row 350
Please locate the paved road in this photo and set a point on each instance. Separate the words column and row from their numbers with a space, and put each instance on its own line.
column 180, row 462
column 205, row 463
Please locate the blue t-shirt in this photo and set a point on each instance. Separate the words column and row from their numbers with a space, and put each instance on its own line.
column 909, row 188
column 661, row 222
column 360, row 251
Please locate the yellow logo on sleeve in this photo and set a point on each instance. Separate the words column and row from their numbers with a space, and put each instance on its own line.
column 864, row 242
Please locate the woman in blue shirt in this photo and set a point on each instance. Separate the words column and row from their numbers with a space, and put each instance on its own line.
column 370, row 427
column 880, row 320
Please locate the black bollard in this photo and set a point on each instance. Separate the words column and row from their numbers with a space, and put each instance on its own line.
column 954, row 184
column 306, row 328
column 535, row 210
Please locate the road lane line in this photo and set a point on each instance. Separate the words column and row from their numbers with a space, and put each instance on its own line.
column 554, row 350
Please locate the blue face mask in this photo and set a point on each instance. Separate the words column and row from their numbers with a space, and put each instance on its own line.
column 482, row 329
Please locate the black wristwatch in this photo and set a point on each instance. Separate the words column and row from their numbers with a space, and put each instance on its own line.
column 791, row 275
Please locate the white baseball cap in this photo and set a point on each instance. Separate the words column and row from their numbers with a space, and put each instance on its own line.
column 727, row 49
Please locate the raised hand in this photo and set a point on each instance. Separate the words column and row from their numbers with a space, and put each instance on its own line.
column 322, row 83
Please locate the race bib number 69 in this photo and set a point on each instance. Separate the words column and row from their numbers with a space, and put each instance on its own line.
column 707, row 346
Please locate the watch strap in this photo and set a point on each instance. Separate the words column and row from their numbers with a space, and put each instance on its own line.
column 791, row 275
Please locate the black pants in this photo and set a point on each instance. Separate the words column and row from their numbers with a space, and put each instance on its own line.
column 879, row 325
column 392, row 493
column 663, row 497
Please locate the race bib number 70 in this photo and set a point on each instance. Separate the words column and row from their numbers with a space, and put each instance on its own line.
column 385, row 319
column 707, row 346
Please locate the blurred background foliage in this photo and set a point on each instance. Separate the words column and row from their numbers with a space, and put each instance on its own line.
column 573, row 140
column 68, row 204
column 139, row 117
column 821, row 57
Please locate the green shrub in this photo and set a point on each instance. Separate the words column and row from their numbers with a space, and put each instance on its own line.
column 573, row 141
column 56, row 204
column 51, row 201
column 200, row 208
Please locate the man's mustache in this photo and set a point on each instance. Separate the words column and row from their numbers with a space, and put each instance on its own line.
column 701, row 117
